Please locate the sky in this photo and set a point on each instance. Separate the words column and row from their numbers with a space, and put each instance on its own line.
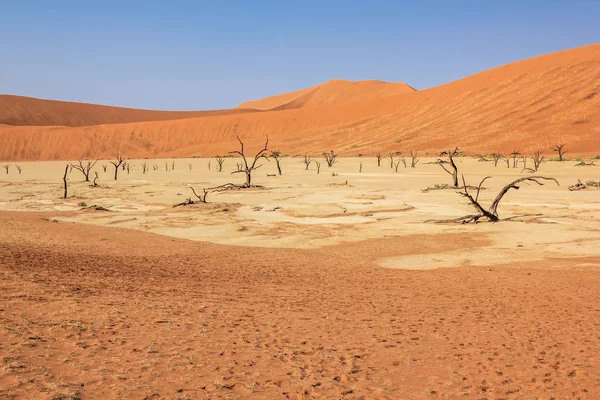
column 193, row 55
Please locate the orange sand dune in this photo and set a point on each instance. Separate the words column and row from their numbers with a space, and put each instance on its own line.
column 19, row 110
column 524, row 105
column 332, row 92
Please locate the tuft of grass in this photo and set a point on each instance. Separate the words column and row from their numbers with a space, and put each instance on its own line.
column 596, row 158
column 397, row 141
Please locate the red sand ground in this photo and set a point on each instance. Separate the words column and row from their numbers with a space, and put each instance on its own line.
column 93, row 313
column 525, row 105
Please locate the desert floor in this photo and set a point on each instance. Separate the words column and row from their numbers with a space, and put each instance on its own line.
column 315, row 286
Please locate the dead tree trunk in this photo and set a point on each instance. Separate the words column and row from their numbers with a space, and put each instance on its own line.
column 144, row 167
column 379, row 157
column 360, row 167
column 277, row 156
column 330, row 158
column 18, row 167
column 514, row 155
column 65, row 181
column 318, row 164
column 307, row 161
column 220, row 161
column 454, row 171
column 414, row 160
column 537, row 160
column 6, row 167
column 391, row 156
column 497, row 157
column 249, row 168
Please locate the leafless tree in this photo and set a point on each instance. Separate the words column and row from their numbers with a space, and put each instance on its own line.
column 104, row 166
column 209, row 164
column 173, row 166
column 507, row 161
column 239, row 167
column 277, row 157
column 497, row 157
column 330, row 158
column 220, row 161
column 144, row 167
column 166, row 166
column 129, row 167
column 397, row 163
column 537, row 160
column 18, row 167
column 307, row 161
column 201, row 198
column 360, row 166
column 524, row 160
column 560, row 149
column 318, row 164
column 248, row 168
column 65, row 181
column 492, row 213
column 117, row 163
column 379, row 157
column 154, row 167
column 414, row 160
column 454, row 171
column 94, row 184
column 190, row 166
column 6, row 167
column 391, row 157
column 84, row 167
column 515, row 154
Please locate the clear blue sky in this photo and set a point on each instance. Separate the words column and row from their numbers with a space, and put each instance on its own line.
column 217, row 54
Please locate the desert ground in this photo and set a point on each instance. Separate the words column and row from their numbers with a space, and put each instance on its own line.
column 329, row 285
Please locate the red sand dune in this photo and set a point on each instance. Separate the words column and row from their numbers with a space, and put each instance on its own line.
column 525, row 105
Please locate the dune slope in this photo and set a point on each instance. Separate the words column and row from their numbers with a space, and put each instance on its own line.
column 525, row 105
column 29, row 111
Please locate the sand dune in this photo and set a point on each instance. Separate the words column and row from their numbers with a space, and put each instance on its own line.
column 331, row 92
column 29, row 111
column 524, row 105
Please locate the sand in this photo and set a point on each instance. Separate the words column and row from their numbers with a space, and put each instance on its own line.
column 309, row 288
column 527, row 105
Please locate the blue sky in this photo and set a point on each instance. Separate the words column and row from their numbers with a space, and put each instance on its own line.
column 192, row 55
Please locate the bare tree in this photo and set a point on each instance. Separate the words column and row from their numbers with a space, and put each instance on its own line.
column 84, row 168
column 248, row 168
column 201, row 198
column 166, row 166
column 537, row 160
column 94, row 184
column 190, row 166
column 277, row 157
column 492, row 213
column 497, row 157
column 454, row 171
column 307, row 161
column 144, row 167
column 560, row 149
column 318, row 164
column 397, row 163
column 173, row 166
column 129, row 167
column 391, row 157
column 515, row 154
column 6, row 167
column 330, row 158
column 154, row 167
column 117, row 163
column 360, row 166
column 414, row 159
column 209, row 164
column 402, row 160
column 18, row 167
column 379, row 157
column 65, row 181
column 524, row 160
column 507, row 161
column 220, row 161
column 104, row 166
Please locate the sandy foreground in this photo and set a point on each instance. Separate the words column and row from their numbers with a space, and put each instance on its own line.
column 316, row 286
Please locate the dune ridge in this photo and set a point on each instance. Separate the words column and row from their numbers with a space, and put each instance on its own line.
column 525, row 105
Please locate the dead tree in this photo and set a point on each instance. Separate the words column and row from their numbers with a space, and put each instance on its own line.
column 6, row 167
column 307, row 161
column 524, row 159
column 18, row 167
column 117, row 163
column 497, row 157
column 537, row 160
column 84, row 168
column 154, row 167
column 144, row 167
column 414, row 159
column 515, row 154
column 190, row 166
column 201, row 198
column 391, row 156
column 173, row 166
column 560, row 149
column 248, row 168
column 220, row 161
column 104, row 166
column 94, row 184
column 129, row 167
column 579, row 164
column 360, row 166
column 318, row 164
column 209, row 164
column 507, row 161
column 454, row 171
column 397, row 163
column 65, row 181
column 239, row 167
column 277, row 157
column 492, row 213
column 379, row 157
column 330, row 158
column 166, row 166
